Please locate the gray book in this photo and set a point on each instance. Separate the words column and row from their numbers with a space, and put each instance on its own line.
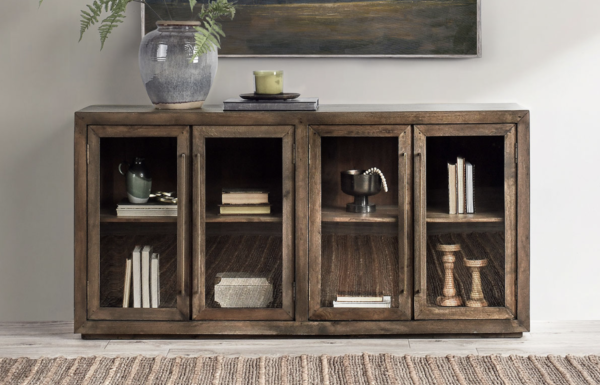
column 300, row 104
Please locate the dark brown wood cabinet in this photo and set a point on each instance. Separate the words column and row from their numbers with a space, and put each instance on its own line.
column 309, row 249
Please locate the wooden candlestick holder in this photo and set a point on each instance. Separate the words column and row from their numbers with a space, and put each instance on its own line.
column 477, row 299
column 449, row 298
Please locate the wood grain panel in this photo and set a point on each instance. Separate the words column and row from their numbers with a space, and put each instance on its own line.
column 366, row 131
column 302, row 222
column 278, row 328
column 93, row 223
column 314, row 215
column 465, row 129
column 358, row 114
column 420, row 224
column 523, row 221
column 510, row 222
column 80, row 221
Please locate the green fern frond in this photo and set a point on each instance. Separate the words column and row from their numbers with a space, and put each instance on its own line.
column 192, row 4
column 207, row 38
column 90, row 18
column 218, row 29
column 113, row 20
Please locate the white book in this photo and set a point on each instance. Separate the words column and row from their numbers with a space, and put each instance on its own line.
column 386, row 303
column 146, row 252
column 370, row 305
column 155, row 280
column 345, row 298
column 127, row 283
column 460, row 175
column 136, row 258
column 470, row 188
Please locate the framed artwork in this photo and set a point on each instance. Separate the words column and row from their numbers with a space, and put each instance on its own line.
column 332, row 28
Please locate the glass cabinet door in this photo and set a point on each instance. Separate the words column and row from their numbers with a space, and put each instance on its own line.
column 465, row 221
column 138, row 195
column 243, row 223
column 360, row 223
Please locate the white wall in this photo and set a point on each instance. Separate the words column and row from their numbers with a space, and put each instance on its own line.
column 543, row 54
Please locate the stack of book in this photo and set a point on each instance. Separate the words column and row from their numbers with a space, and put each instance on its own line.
column 244, row 202
column 383, row 301
column 150, row 209
column 461, row 193
column 142, row 271
column 299, row 104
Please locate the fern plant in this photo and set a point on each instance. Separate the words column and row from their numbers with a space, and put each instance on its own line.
column 108, row 14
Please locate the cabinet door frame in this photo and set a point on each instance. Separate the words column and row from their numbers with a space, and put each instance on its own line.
column 199, row 309
column 423, row 311
column 95, row 312
column 404, row 135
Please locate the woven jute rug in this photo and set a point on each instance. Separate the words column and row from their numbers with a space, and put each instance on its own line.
column 349, row 369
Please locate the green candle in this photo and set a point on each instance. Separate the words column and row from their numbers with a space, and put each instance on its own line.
column 268, row 82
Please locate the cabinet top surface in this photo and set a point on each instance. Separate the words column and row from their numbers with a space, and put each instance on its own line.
column 324, row 108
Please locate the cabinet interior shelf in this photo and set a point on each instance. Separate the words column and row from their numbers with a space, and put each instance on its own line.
column 383, row 214
column 439, row 215
column 110, row 216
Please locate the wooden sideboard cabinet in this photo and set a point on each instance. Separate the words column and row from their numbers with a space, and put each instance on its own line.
column 309, row 250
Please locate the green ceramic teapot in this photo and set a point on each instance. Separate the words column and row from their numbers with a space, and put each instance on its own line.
column 139, row 181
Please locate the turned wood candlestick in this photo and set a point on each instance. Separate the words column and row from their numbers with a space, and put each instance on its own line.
column 449, row 298
column 475, row 266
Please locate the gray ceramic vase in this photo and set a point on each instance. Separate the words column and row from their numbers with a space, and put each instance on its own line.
column 173, row 81
column 139, row 181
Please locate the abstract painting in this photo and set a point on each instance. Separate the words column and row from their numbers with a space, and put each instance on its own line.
column 341, row 28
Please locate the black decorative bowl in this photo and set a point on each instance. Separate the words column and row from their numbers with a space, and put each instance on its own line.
column 361, row 187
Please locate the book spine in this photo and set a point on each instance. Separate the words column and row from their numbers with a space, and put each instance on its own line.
column 464, row 197
column 460, row 176
column 146, row 276
column 452, row 188
column 127, row 282
column 473, row 208
column 155, row 281
column 137, row 277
